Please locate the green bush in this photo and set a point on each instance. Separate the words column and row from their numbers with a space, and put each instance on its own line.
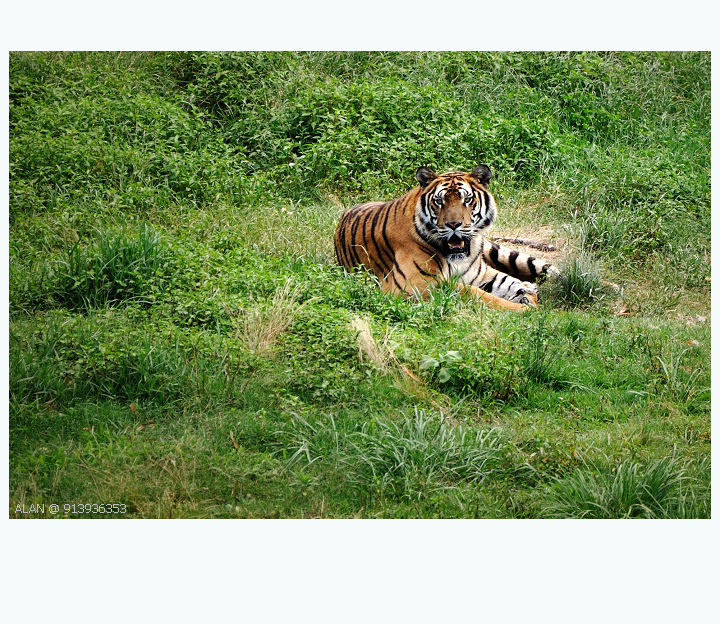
column 461, row 360
column 323, row 355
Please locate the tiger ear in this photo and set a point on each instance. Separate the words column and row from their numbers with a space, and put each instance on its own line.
column 482, row 173
column 425, row 175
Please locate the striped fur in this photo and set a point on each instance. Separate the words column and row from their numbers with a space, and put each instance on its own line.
column 436, row 232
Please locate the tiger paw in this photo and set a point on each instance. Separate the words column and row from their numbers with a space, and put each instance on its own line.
column 552, row 272
column 527, row 295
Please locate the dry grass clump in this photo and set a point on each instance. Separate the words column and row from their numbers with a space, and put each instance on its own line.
column 260, row 326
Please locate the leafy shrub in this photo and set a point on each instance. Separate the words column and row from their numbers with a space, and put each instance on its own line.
column 322, row 354
column 135, row 148
column 467, row 361
column 362, row 133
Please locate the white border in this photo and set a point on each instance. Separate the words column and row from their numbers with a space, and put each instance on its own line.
column 352, row 571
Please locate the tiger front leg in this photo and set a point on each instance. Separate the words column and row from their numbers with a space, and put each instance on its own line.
column 413, row 275
column 419, row 283
column 492, row 301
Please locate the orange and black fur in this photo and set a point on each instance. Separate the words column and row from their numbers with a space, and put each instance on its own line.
column 435, row 232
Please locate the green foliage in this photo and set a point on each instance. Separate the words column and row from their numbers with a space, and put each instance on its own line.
column 134, row 148
column 648, row 210
column 472, row 367
column 661, row 489
column 413, row 458
column 74, row 359
column 119, row 271
column 322, row 351
column 578, row 284
column 182, row 340
column 353, row 134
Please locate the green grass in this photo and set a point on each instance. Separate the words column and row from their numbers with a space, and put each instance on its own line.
column 183, row 343
column 628, row 490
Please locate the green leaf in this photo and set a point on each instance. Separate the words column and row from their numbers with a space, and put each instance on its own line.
column 428, row 362
column 452, row 356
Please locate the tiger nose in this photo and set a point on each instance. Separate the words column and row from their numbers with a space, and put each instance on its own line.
column 453, row 225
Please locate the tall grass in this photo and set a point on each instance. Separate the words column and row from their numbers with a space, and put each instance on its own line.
column 676, row 382
column 579, row 282
column 418, row 455
column 411, row 458
column 661, row 489
column 118, row 270
column 258, row 327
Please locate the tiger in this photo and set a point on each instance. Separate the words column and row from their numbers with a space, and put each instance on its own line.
column 435, row 233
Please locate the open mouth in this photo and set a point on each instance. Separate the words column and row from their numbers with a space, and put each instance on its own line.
column 457, row 246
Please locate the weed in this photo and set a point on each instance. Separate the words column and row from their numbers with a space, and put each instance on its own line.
column 443, row 364
column 539, row 359
column 676, row 384
column 258, row 327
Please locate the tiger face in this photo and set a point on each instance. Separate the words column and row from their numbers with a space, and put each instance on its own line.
column 453, row 208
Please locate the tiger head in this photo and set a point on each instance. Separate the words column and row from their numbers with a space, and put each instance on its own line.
column 453, row 208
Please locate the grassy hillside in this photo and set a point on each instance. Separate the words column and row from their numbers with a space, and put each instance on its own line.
column 183, row 344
